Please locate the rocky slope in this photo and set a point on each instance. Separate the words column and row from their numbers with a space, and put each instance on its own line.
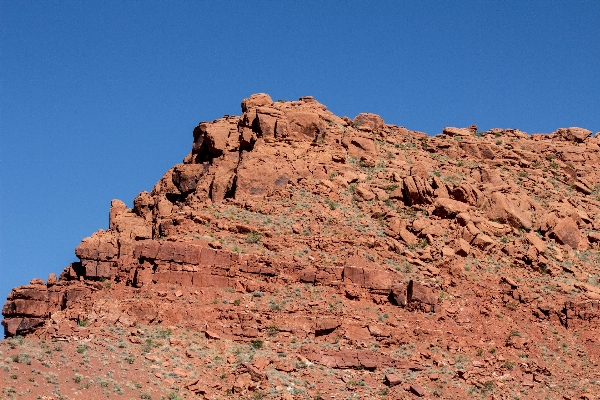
column 316, row 256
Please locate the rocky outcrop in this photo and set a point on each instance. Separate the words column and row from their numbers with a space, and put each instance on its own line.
column 573, row 134
column 29, row 307
column 291, row 237
column 273, row 145
column 327, row 216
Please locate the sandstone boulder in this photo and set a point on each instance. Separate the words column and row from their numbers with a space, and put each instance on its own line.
column 185, row 178
column 420, row 297
column 368, row 121
column 358, row 146
column 398, row 226
column 566, row 232
column 573, row 134
column 326, row 325
column 451, row 131
column 101, row 246
column 491, row 176
column 536, row 242
column 398, row 293
column 364, row 192
column 417, row 190
column 448, row 208
column 256, row 100
column 143, row 204
column 502, row 209
column 466, row 193
column 482, row 241
column 393, row 380
column 304, row 125
column 462, row 247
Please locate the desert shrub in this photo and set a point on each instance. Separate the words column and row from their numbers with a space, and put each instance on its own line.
column 257, row 344
column 253, row 237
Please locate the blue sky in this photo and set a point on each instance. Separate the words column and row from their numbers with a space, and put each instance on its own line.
column 99, row 99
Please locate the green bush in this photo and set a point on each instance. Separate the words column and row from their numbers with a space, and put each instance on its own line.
column 82, row 348
column 253, row 237
column 332, row 204
column 257, row 344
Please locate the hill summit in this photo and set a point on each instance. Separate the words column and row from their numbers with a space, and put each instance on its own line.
column 315, row 255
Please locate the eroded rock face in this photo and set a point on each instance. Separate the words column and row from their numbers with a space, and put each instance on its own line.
column 29, row 307
column 305, row 225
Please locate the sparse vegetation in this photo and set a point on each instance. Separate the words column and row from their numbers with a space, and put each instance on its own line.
column 253, row 237
column 82, row 348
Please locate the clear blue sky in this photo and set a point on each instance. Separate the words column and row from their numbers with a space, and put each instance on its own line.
column 99, row 99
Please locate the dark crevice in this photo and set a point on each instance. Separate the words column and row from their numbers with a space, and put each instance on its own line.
column 176, row 197
column 203, row 155
column 210, row 189
column 409, row 292
column 246, row 146
column 392, row 299
column 231, row 192
column 78, row 268
column 256, row 127
column 323, row 332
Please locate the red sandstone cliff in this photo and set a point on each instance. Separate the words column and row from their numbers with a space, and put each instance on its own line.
column 461, row 226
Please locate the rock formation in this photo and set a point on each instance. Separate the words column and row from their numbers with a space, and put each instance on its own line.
column 363, row 232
